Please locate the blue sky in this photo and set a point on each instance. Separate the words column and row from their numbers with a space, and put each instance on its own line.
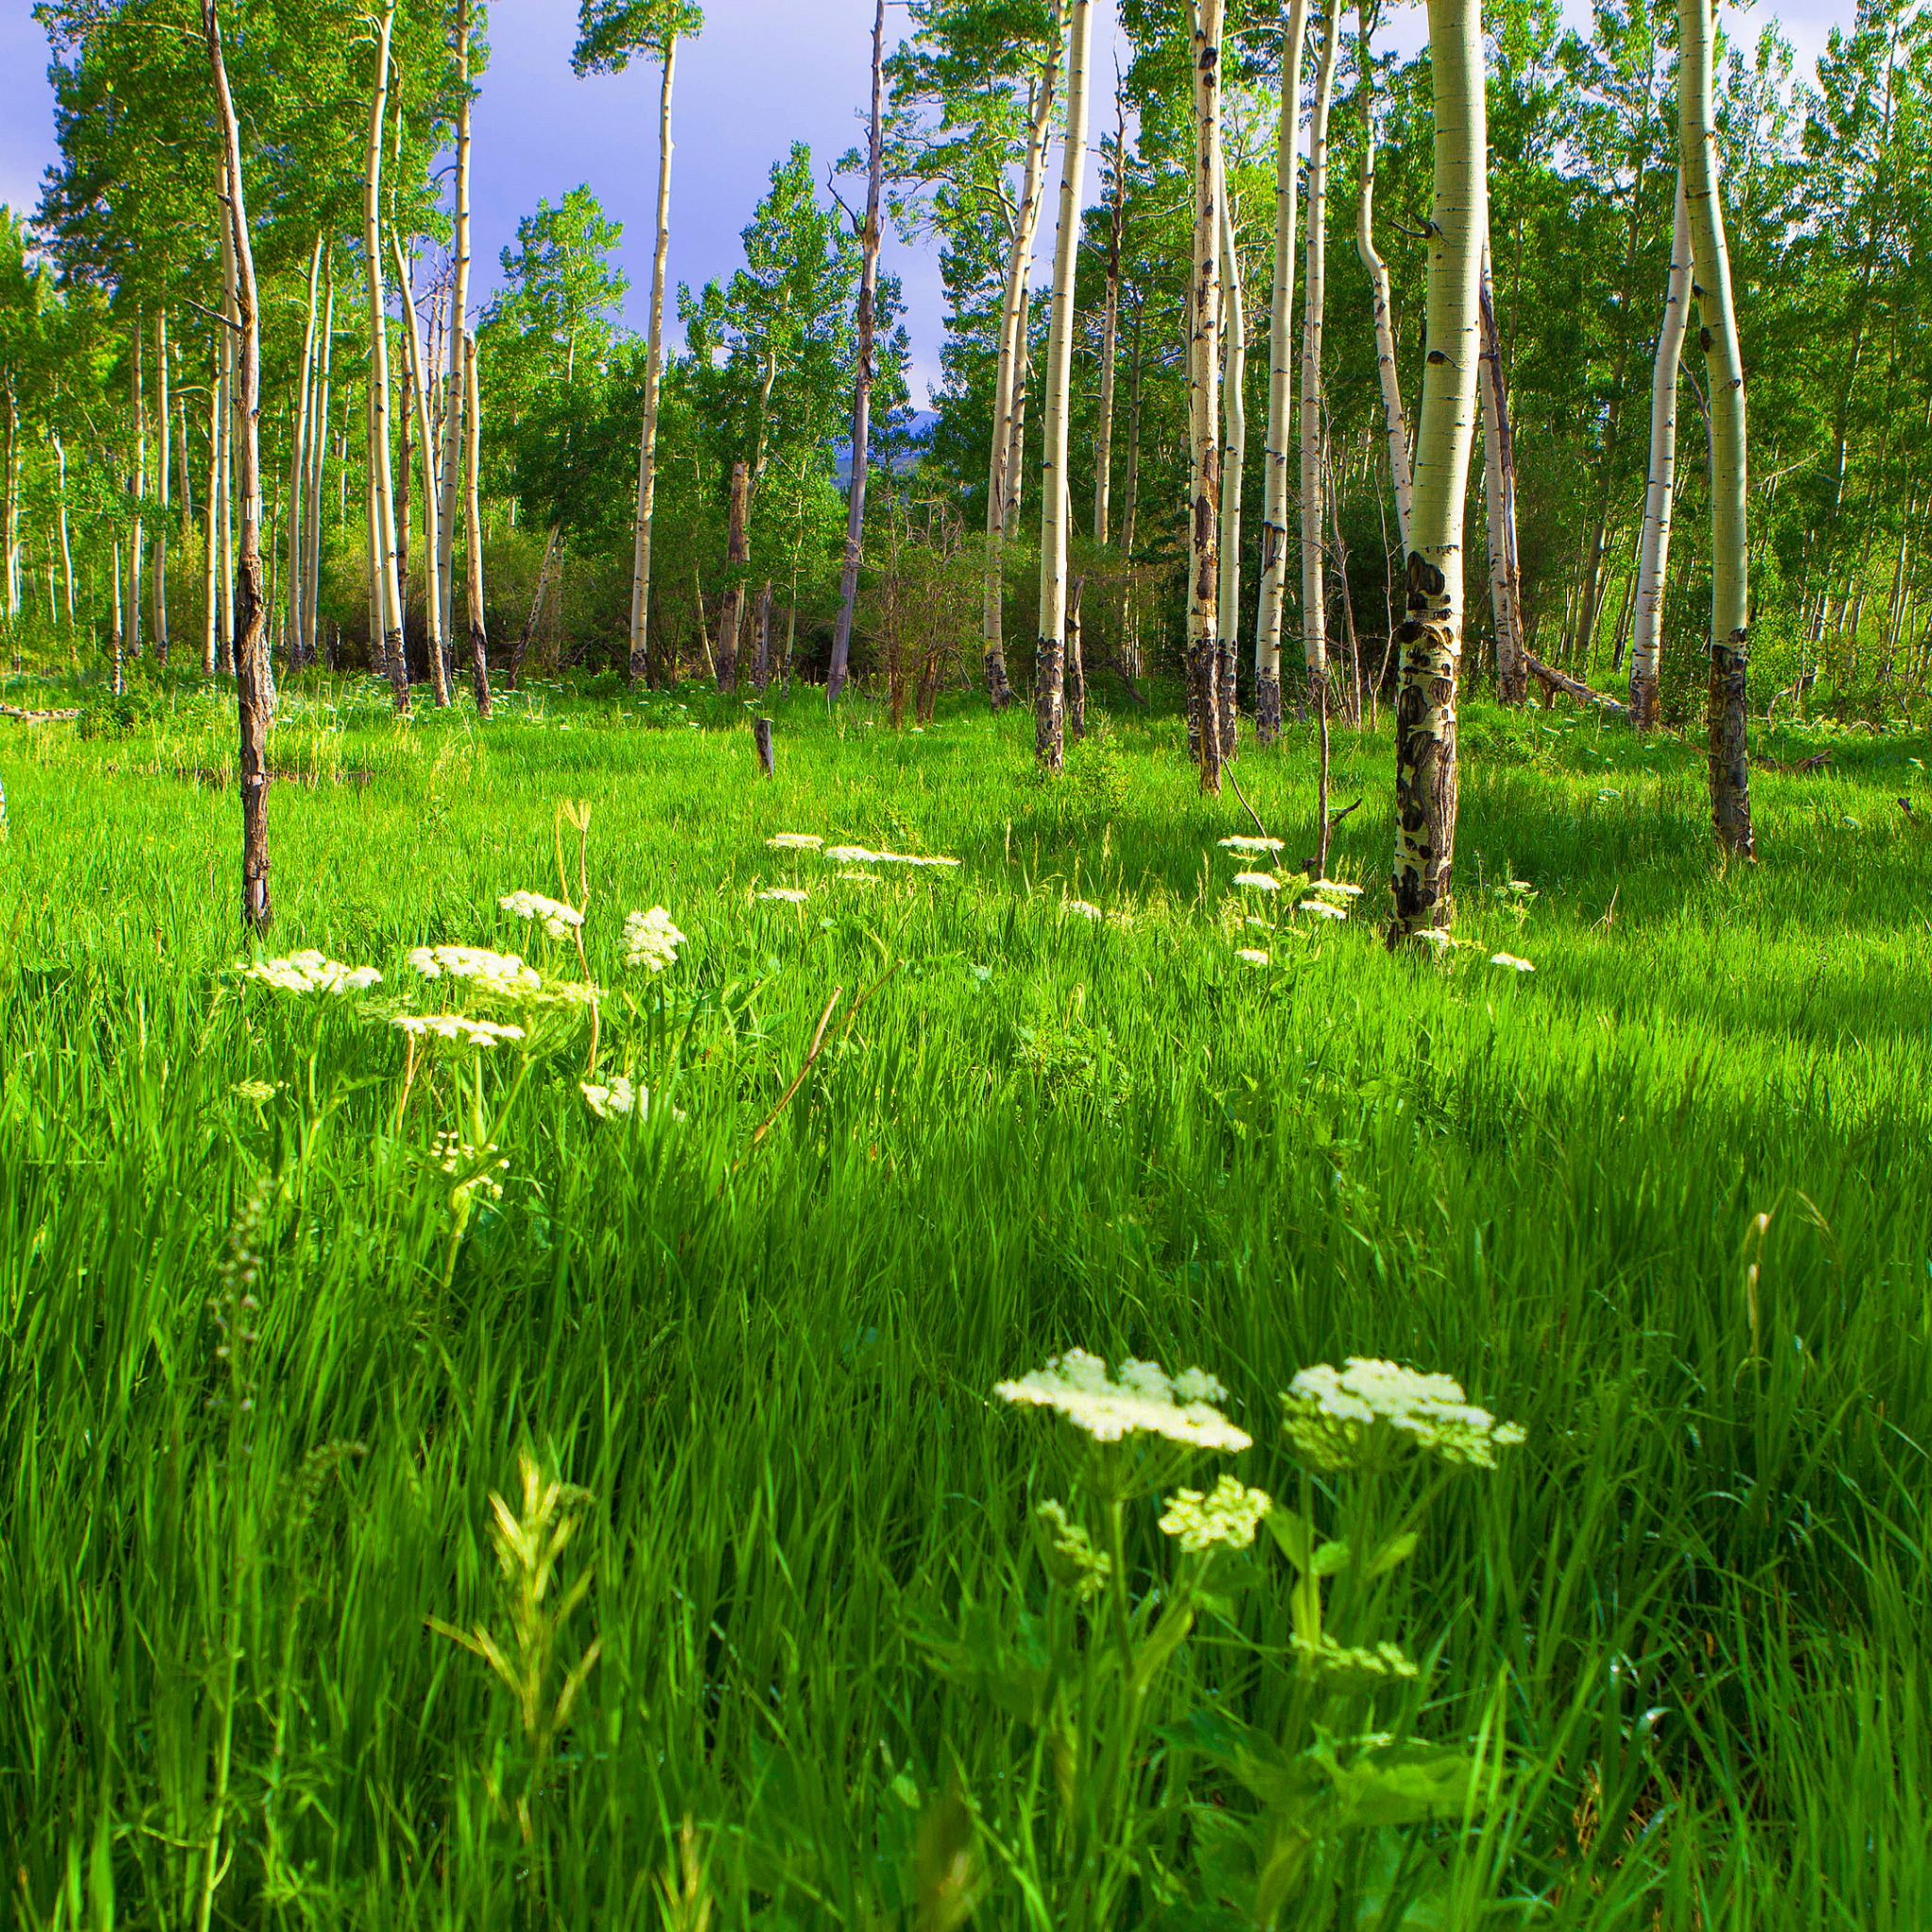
column 763, row 74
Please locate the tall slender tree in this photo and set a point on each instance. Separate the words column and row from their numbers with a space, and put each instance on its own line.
column 1204, row 392
column 1660, row 489
column 1431, row 633
column 612, row 34
column 862, row 385
column 1394, row 425
column 1281, row 362
column 1717, row 334
column 387, row 616
column 1056, row 495
column 1314, row 300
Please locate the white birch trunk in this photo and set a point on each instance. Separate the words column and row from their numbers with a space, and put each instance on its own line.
column 1730, row 590
column 1002, row 470
column 1660, row 489
column 1395, row 426
column 425, row 437
column 1499, row 492
column 1234, row 451
column 1314, row 302
column 212, row 554
column 163, row 480
column 135, row 545
column 299, row 471
column 1431, row 634
column 653, row 368
column 472, row 527
column 1111, row 329
column 310, row 592
column 66, row 541
column 456, row 381
column 1049, row 675
column 1274, row 550
column 388, row 590
column 1204, row 395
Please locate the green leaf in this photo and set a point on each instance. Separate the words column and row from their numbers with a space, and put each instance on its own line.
column 1296, row 1538
column 1330, row 1558
column 1398, row 1549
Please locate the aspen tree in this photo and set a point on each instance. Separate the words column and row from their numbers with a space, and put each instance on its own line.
column 1730, row 590
column 861, row 385
column 1111, row 322
column 163, row 479
column 138, row 531
column 425, row 435
column 311, row 551
column 610, row 33
column 1499, row 490
column 1314, row 300
column 1228, row 622
column 388, row 617
column 472, row 527
column 1659, row 494
column 1203, row 397
column 1395, row 428
column 737, row 555
column 299, row 467
column 1431, row 633
column 251, row 651
column 226, row 467
column 1049, row 670
column 1002, row 478
column 454, row 386
column 211, row 550
column 1280, row 389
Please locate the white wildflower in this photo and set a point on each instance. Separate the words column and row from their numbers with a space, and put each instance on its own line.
column 1432, row 936
column 850, row 854
column 912, row 858
column 784, row 895
column 457, row 1027
column 1225, row 1517
column 454, row 1156
column 1252, row 955
column 565, row 992
column 256, row 1092
column 1341, row 886
column 863, row 878
column 1335, row 1416
column 1511, row 962
column 794, row 842
column 650, row 939
column 1261, row 881
column 1242, row 843
column 310, row 971
column 498, row 975
column 613, row 1102
column 1322, row 909
column 1068, row 1555
column 1083, row 908
column 559, row 919
column 1144, row 1401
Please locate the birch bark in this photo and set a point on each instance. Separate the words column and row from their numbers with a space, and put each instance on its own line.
column 1204, row 392
column 1227, row 624
column 1314, row 300
column 1499, row 474
column 640, row 667
column 164, row 481
column 1431, row 634
column 1110, row 326
column 299, row 467
column 388, row 590
column 426, row 437
column 472, row 528
column 1730, row 590
column 1395, row 428
column 1280, row 389
column 1660, row 489
column 1049, row 669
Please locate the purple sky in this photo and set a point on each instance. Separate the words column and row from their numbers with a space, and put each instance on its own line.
column 763, row 74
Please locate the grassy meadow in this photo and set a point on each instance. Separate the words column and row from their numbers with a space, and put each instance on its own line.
column 273, row 1339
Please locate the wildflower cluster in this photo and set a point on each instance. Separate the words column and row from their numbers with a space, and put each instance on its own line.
column 1252, row 955
column 495, row 975
column 1347, row 1670
column 559, row 921
column 1258, row 881
column 457, row 1027
column 650, row 939
column 1511, row 962
column 1146, row 1400
column 614, row 1102
column 1225, row 1518
column 784, row 895
column 1243, row 843
column 1354, row 1416
column 1083, row 908
column 863, row 855
column 479, row 1167
column 794, row 842
column 309, row 971
column 1068, row 1554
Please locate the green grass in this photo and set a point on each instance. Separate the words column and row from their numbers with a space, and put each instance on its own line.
column 1686, row 1622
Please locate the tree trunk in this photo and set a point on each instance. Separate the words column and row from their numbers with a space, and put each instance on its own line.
column 66, row 541
column 472, row 528
column 455, row 382
column 862, row 390
column 310, row 591
column 1431, row 634
column 163, row 484
column 212, row 559
column 426, row 438
column 1204, row 399
column 1075, row 665
column 640, row 665
column 1499, row 460
column 1659, row 494
column 299, row 467
column 1130, row 487
column 1280, row 389
column 226, row 471
column 1314, row 300
column 523, row 643
column 1110, row 326
column 1730, row 600
column 1055, row 494
column 388, row 579
column 1394, row 428
column 1234, row 451
column 139, row 532
column 737, row 555
column 761, row 663
column 251, row 653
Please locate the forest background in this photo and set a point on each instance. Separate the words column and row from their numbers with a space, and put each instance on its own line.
column 1826, row 173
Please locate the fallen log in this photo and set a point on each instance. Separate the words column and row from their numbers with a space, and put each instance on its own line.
column 35, row 717
column 1554, row 681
